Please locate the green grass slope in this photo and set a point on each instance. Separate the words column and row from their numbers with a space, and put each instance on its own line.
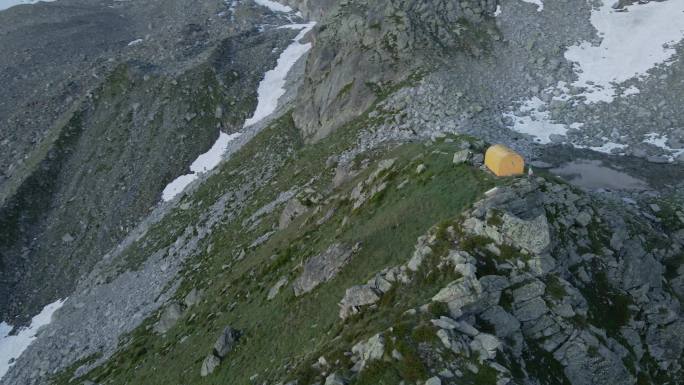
column 283, row 337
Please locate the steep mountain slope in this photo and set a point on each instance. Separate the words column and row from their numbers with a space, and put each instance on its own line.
column 101, row 168
column 357, row 238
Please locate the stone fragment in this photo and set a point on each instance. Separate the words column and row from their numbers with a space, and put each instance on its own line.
column 168, row 318
column 273, row 292
column 355, row 297
column 210, row 363
column 322, row 268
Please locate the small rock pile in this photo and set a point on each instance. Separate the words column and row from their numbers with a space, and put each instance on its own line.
column 225, row 343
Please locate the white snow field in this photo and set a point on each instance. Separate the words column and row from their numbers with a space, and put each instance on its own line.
column 538, row 3
column 271, row 88
column 11, row 347
column 538, row 124
column 5, row 4
column 274, row 6
column 632, row 43
column 273, row 85
column 204, row 163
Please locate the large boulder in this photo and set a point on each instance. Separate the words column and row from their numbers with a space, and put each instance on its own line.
column 293, row 210
column 168, row 318
column 532, row 234
column 366, row 351
column 462, row 292
column 485, row 345
column 210, row 363
column 192, row 298
column 355, row 297
column 322, row 268
column 226, row 342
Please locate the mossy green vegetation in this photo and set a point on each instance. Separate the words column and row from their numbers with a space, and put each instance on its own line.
column 289, row 332
column 608, row 307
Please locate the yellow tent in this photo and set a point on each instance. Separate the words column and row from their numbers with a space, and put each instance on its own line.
column 503, row 161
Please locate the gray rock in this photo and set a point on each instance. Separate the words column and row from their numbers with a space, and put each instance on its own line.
column 467, row 329
column 168, row 318
column 292, row 211
column 355, row 297
column 273, row 292
column 335, row 379
column 461, row 292
column 371, row 350
column 531, row 310
column 332, row 161
column 485, row 345
column 380, row 284
column 226, row 342
column 445, row 323
column 597, row 365
column 322, row 268
column 343, row 174
column 527, row 292
column 420, row 253
column 503, row 322
column 443, row 336
column 192, row 298
column 461, row 157
column 583, row 219
column 477, row 160
column 659, row 159
column 210, row 363
column 433, row 381
column 532, row 235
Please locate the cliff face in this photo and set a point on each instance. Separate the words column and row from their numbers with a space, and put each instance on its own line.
column 363, row 49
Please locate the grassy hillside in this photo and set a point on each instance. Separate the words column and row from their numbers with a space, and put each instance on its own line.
column 284, row 336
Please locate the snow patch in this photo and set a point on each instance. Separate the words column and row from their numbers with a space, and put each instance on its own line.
column 204, row 163
column 11, row 347
column 632, row 43
column 660, row 140
column 538, row 3
column 210, row 159
column 536, row 121
column 657, row 140
column 271, row 88
column 5, row 4
column 497, row 13
column 274, row 6
column 135, row 42
column 607, row 148
column 632, row 90
column 273, row 85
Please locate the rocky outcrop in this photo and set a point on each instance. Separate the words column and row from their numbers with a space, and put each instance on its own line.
column 366, row 351
column 225, row 343
column 169, row 317
column 600, row 314
column 293, row 209
column 322, row 268
column 355, row 297
column 362, row 47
